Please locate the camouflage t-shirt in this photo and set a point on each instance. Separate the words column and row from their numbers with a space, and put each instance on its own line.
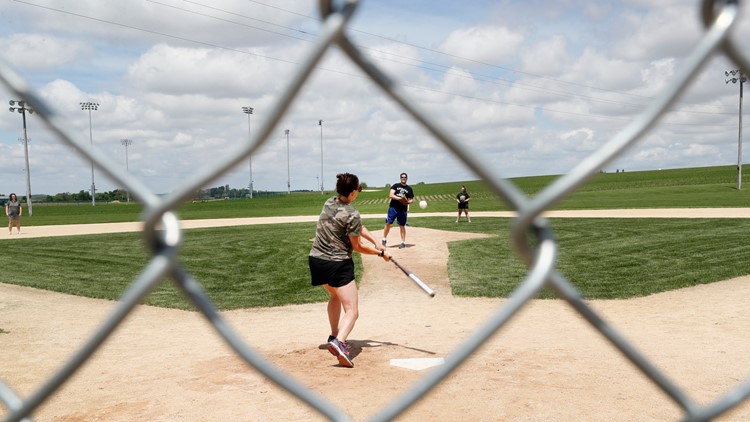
column 338, row 220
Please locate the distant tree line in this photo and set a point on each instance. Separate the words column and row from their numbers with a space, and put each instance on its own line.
column 115, row 195
column 225, row 192
column 220, row 192
column 121, row 195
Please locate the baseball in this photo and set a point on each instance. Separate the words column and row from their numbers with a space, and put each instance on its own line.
column 423, row 204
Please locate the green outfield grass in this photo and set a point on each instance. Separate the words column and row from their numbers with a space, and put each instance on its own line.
column 240, row 266
column 696, row 187
column 611, row 258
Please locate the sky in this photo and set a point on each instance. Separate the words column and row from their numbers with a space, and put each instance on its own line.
column 532, row 87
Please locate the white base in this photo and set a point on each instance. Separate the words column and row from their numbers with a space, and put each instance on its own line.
column 417, row 364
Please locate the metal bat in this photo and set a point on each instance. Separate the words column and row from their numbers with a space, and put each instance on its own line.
column 416, row 279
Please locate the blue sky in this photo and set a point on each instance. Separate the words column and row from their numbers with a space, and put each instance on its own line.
column 531, row 86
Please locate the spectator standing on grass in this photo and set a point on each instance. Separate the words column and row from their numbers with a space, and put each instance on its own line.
column 401, row 196
column 339, row 232
column 462, row 198
column 13, row 210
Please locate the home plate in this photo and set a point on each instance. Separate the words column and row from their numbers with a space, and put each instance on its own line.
column 417, row 364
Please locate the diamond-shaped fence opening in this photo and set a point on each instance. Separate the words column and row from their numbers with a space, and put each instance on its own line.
column 163, row 236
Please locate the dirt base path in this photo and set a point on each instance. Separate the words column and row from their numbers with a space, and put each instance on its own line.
column 547, row 364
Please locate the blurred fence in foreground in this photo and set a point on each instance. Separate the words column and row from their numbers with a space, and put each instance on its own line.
column 165, row 243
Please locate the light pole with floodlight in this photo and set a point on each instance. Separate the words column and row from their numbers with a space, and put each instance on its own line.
column 249, row 111
column 320, row 123
column 88, row 105
column 21, row 107
column 735, row 76
column 288, row 172
column 126, row 143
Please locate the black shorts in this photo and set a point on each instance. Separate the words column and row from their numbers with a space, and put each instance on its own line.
column 332, row 273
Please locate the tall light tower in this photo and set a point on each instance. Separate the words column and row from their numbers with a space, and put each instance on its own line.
column 126, row 143
column 249, row 111
column 21, row 107
column 288, row 173
column 91, row 106
column 320, row 123
column 735, row 76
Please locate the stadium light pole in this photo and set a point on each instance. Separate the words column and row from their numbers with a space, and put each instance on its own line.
column 320, row 123
column 88, row 105
column 735, row 76
column 126, row 143
column 20, row 106
column 288, row 173
column 249, row 111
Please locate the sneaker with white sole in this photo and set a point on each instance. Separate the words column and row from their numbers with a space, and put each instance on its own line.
column 341, row 352
column 330, row 348
column 383, row 242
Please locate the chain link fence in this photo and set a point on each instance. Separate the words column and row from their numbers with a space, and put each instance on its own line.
column 162, row 233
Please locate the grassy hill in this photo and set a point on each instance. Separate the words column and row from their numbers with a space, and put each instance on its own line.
column 678, row 188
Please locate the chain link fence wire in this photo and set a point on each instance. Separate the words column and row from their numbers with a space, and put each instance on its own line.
column 163, row 236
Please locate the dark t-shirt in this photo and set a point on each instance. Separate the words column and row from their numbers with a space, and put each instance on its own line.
column 402, row 191
column 462, row 199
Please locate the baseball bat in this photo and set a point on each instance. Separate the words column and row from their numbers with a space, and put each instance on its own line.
column 414, row 278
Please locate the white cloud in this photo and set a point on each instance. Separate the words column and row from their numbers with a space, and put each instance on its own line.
column 580, row 135
column 658, row 73
column 183, row 71
column 597, row 69
column 29, row 51
column 487, row 44
column 651, row 154
column 663, row 30
column 547, row 57
column 697, row 150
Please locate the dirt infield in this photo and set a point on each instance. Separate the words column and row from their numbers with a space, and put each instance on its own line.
column 547, row 364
